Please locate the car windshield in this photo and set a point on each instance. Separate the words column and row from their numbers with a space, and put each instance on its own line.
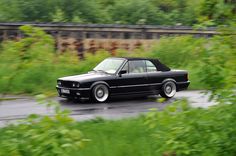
column 110, row 65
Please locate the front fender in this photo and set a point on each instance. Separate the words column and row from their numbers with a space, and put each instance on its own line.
column 99, row 82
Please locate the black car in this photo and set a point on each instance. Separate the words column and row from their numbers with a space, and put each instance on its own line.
column 124, row 76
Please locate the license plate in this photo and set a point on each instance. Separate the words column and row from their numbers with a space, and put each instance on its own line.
column 65, row 91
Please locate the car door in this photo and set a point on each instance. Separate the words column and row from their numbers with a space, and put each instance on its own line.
column 135, row 80
column 154, row 77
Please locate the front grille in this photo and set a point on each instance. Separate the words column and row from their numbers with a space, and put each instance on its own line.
column 68, row 84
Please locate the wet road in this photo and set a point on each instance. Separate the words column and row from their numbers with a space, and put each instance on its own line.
column 19, row 107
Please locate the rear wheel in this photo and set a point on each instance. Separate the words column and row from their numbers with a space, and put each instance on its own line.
column 168, row 89
column 100, row 93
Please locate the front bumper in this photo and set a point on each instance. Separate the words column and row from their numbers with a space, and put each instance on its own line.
column 76, row 93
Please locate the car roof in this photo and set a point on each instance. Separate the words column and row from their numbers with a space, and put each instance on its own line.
column 133, row 58
column 160, row 66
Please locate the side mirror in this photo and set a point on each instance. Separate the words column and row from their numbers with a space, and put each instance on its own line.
column 122, row 72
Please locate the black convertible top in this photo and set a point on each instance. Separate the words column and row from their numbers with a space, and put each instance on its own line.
column 156, row 62
column 159, row 65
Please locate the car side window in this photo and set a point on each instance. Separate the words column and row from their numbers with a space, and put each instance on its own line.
column 137, row 66
column 150, row 66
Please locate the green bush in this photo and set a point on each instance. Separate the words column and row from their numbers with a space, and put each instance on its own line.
column 179, row 51
column 210, row 62
column 218, row 68
column 181, row 130
column 32, row 65
column 176, row 130
column 42, row 135
column 182, row 52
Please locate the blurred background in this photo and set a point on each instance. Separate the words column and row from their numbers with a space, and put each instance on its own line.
column 42, row 40
column 154, row 12
column 41, row 36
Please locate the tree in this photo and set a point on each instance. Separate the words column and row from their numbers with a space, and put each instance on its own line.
column 58, row 16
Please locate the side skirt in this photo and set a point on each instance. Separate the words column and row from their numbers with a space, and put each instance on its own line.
column 155, row 92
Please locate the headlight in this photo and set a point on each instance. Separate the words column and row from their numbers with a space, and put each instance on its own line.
column 59, row 83
column 75, row 84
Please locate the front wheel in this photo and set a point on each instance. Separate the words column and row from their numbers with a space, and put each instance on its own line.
column 100, row 93
column 168, row 89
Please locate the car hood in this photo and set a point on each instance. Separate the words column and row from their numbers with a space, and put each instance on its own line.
column 84, row 77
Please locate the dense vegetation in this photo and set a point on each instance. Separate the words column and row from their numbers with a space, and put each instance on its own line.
column 159, row 12
column 42, row 135
column 208, row 60
column 32, row 65
column 177, row 130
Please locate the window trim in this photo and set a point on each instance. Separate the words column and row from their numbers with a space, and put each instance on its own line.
column 124, row 66
column 147, row 66
column 145, row 69
column 128, row 72
column 121, row 67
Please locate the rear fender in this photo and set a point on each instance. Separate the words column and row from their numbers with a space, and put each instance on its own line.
column 168, row 79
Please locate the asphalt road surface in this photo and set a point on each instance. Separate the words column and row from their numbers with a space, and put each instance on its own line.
column 19, row 107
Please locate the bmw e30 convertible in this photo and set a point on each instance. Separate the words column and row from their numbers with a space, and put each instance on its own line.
column 117, row 76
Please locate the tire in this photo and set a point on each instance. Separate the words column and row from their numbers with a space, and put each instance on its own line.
column 168, row 89
column 100, row 93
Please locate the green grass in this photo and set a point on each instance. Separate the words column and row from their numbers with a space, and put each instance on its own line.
column 178, row 129
column 192, row 131
column 127, row 137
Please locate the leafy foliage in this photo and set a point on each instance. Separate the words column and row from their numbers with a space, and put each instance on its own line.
column 178, row 51
column 33, row 60
column 183, row 130
column 32, row 65
column 168, row 12
column 42, row 135
column 177, row 130
column 210, row 62
column 218, row 67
